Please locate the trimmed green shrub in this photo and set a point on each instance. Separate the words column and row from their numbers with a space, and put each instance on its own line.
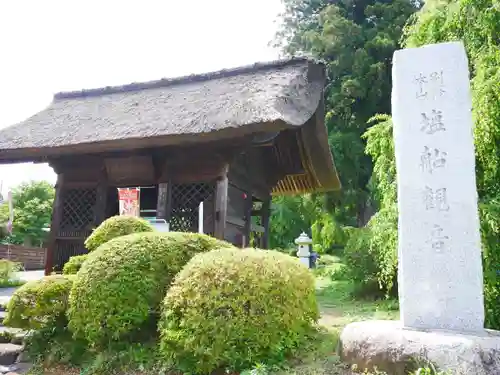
column 8, row 271
column 232, row 308
column 40, row 304
column 74, row 264
column 116, row 226
column 120, row 287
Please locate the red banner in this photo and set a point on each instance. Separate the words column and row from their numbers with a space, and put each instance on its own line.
column 129, row 202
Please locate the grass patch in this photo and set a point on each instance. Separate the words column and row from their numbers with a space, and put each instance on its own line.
column 338, row 307
column 318, row 356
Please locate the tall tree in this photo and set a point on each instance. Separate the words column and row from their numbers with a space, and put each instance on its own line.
column 477, row 24
column 356, row 39
column 32, row 211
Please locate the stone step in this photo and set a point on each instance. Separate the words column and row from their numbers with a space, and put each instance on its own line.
column 9, row 353
column 13, row 335
column 17, row 369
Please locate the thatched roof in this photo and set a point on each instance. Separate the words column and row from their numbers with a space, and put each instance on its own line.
column 261, row 97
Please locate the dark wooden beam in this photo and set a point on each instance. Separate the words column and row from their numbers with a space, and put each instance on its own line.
column 266, row 213
column 220, row 208
column 163, row 198
column 57, row 207
column 241, row 181
column 101, row 197
column 248, row 219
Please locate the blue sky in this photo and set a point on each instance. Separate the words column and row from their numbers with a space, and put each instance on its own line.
column 53, row 45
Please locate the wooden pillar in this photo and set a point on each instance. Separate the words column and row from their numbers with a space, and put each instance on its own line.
column 101, row 197
column 266, row 212
column 220, row 209
column 164, row 201
column 55, row 224
column 248, row 220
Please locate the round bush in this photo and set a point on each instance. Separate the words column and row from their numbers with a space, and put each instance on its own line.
column 232, row 308
column 74, row 264
column 116, row 226
column 39, row 304
column 120, row 287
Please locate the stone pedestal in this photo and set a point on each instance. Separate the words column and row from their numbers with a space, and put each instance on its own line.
column 394, row 349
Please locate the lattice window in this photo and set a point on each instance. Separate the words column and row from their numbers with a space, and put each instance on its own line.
column 78, row 209
column 186, row 200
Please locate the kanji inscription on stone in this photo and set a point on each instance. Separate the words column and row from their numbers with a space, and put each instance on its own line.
column 438, row 235
column 431, row 85
column 432, row 159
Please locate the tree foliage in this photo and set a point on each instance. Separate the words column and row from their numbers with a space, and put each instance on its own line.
column 32, row 211
column 371, row 252
column 4, row 218
column 356, row 39
column 477, row 23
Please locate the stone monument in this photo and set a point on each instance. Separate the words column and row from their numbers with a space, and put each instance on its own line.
column 440, row 276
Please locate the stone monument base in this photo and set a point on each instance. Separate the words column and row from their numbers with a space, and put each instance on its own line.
column 389, row 347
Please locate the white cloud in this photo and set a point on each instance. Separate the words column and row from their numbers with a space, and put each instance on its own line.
column 54, row 45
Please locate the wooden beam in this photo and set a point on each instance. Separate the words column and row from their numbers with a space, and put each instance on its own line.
column 57, row 207
column 266, row 213
column 242, row 182
column 240, row 223
column 248, row 219
column 161, row 206
column 220, row 208
column 101, row 198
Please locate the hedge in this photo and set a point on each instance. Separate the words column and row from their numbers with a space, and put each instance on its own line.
column 40, row 303
column 74, row 264
column 119, row 288
column 232, row 308
column 116, row 226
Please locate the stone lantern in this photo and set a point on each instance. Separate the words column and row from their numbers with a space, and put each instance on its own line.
column 303, row 243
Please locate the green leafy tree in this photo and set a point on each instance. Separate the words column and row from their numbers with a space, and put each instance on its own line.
column 356, row 40
column 371, row 252
column 32, row 211
column 4, row 218
column 290, row 217
column 477, row 24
